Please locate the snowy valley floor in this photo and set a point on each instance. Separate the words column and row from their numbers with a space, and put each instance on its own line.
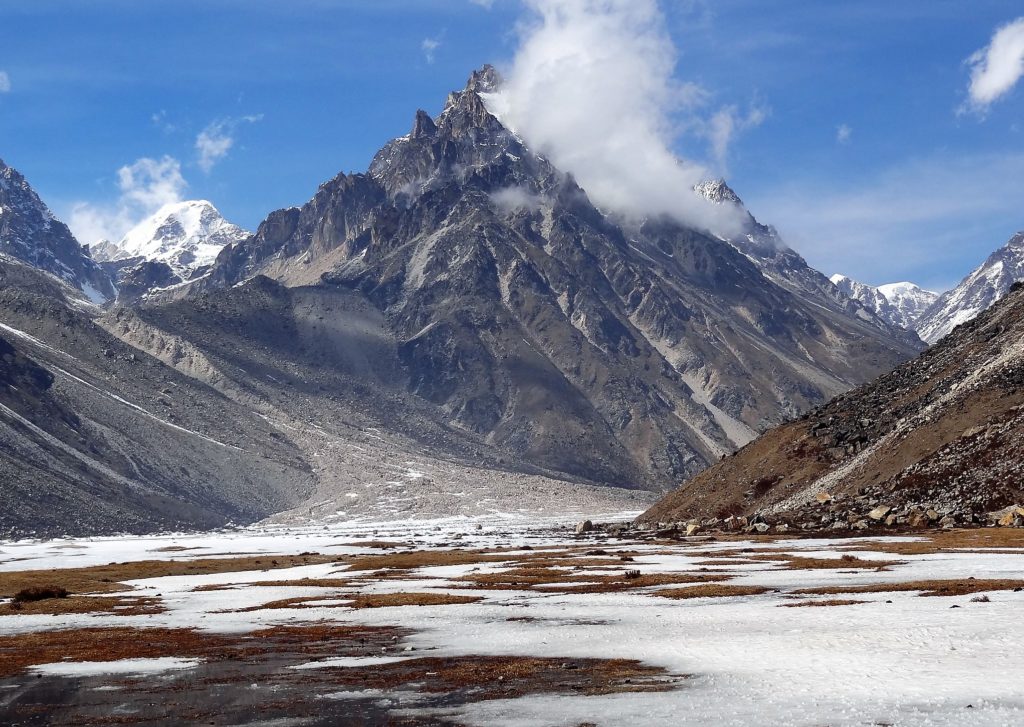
column 508, row 621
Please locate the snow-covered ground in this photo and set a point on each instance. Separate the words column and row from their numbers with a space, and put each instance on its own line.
column 897, row 658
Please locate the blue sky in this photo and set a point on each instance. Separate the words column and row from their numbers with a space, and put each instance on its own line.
column 921, row 185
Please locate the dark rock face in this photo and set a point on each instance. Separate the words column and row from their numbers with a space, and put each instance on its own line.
column 136, row 277
column 29, row 232
column 98, row 437
column 621, row 354
column 943, row 433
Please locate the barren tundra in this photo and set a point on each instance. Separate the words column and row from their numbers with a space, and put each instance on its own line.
column 508, row 621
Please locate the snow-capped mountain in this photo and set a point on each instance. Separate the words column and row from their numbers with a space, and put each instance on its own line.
column 900, row 304
column 975, row 293
column 29, row 232
column 186, row 236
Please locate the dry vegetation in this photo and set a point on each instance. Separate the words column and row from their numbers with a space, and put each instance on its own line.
column 111, row 578
column 112, row 644
column 928, row 588
column 366, row 600
column 505, row 677
column 828, row 602
column 711, row 591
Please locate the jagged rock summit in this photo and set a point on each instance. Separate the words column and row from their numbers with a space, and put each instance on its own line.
column 943, row 433
column 539, row 326
column 899, row 304
column 29, row 232
column 975, row 293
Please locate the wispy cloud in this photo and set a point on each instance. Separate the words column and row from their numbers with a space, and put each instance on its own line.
column 996, row 68
column 724, row 126
column 844, row 133
column 161, row 121
column 593, row 86
column 215, row 141
column 486, row 4
column 5, row 82
column 940, row 213
column 144, row 187
column 429, row 47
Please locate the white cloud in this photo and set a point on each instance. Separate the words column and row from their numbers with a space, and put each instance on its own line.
column 592, row 87
column 5, row 82
column 486, row 4
column 145, row 186
column 429, row 47
column 996, row 68
column 844, row 133
column 215, row 141
column 725, row 124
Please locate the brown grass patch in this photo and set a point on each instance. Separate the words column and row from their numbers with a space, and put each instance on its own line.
column 826, row 603
column 298, row 583
column 846, row 562
column 711, row 591
column 552, row 580
column 927, row 588
column 975, row 538
column 366, row 600
column 110, row 578
column 113, row 644
column 505, row 677
column 117, row 606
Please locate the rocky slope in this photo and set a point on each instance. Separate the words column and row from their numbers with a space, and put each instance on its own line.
column 97, row 437
column 899, row 304
column 763, row 245
column 178, row 243
column 30, row 232
column 975, row 293
column 568, row 340
column 941, row 438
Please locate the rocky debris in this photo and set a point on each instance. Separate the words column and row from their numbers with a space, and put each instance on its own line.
column 939, row 439
column 879, row 512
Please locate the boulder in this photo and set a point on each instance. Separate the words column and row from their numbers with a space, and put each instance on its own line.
column 823, row 498
column 692, row 529
column 879, row 512
column 584, row 527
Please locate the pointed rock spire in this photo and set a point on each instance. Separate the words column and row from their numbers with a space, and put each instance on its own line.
column 424, row 126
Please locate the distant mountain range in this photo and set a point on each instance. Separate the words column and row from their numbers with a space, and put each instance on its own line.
column 458, row 329
column 975, row 293
column 899, row 304
column 178, row 243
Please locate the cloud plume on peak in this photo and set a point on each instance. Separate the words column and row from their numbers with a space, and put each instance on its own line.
column 592, row 87
column 145, row 186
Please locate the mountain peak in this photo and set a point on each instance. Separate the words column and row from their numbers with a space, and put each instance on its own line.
column 986, row 284
column 186, row 235
column 484, row 80
column 718, row 192
column 29, row 232
column 900, row 304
